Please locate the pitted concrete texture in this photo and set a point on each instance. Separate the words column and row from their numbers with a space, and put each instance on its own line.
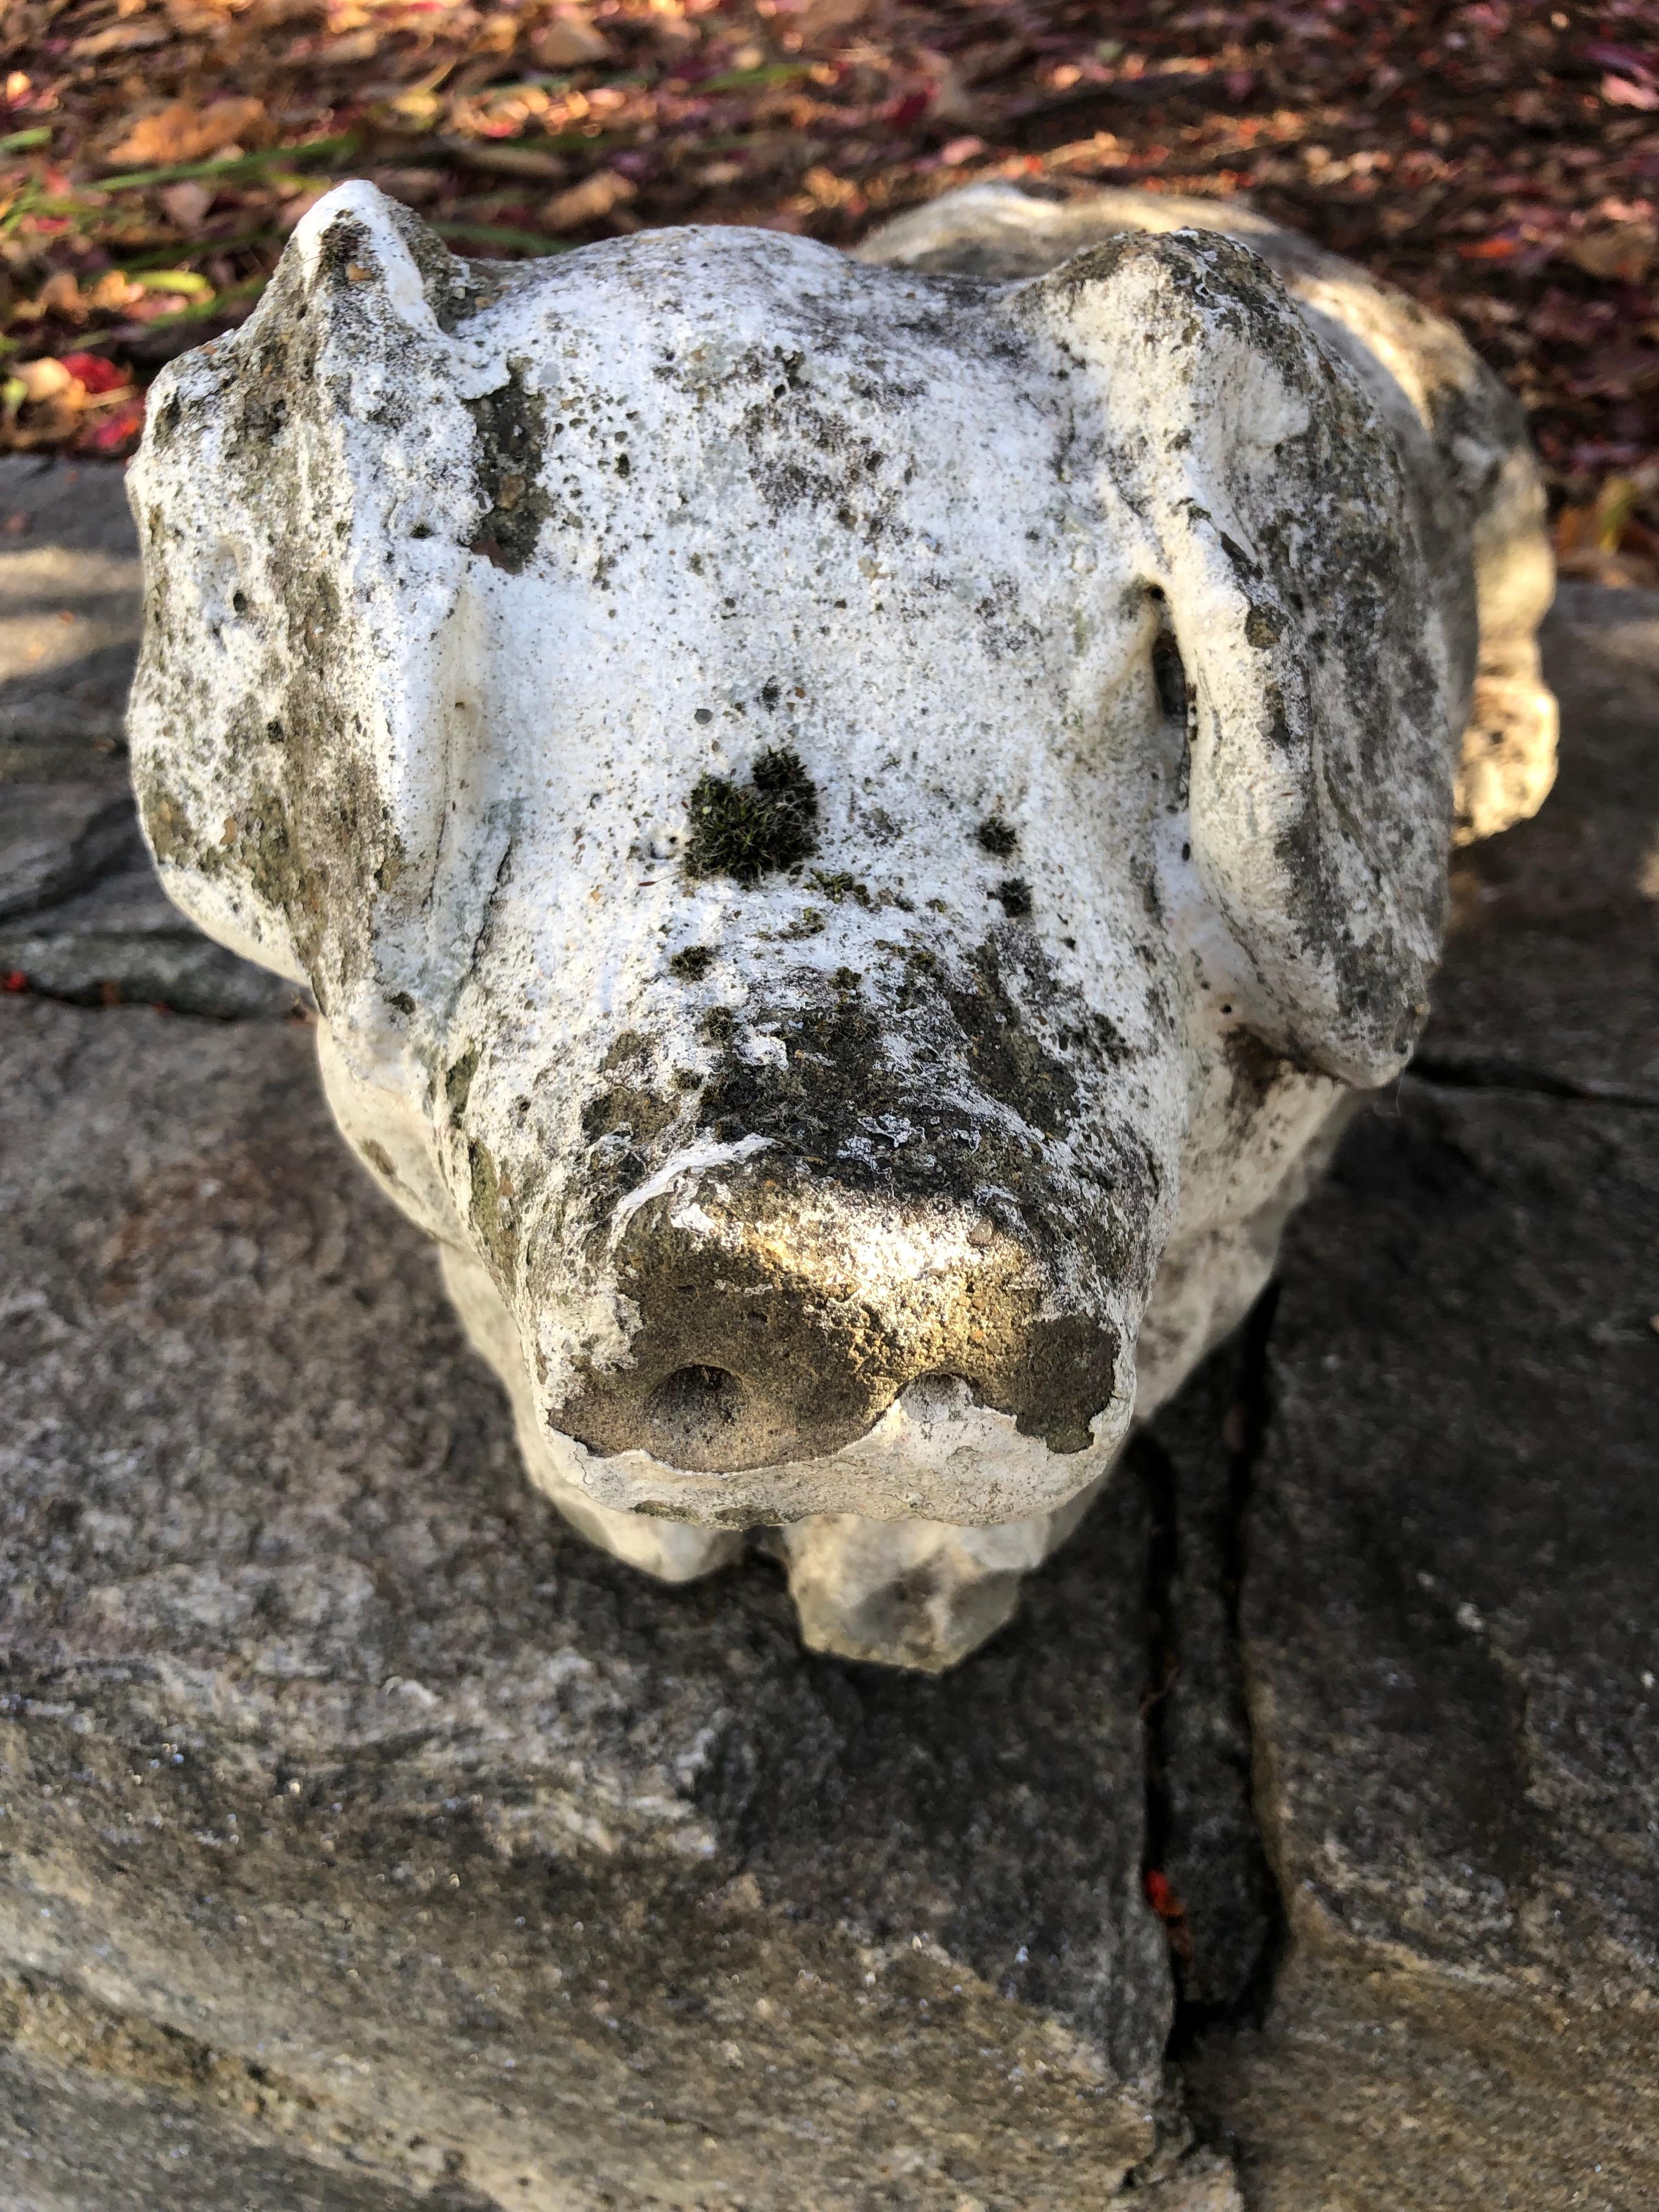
column 330, row 1753
column 83, row 916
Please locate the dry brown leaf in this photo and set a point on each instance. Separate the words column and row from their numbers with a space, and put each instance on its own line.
column 825, row 189
column 596, row 195
column 354, row 47
column 567, row 41
column 412, row 187
column 834, row 15
column 112, row 289
column 61, row 295
column 1625, row 252
column 43, row 380
column 120, row 38
column 507, row 159
column 184, row 132
column 185, row 204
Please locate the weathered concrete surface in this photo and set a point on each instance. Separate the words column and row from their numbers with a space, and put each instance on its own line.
column 1450, row 1630
column 330, row 1751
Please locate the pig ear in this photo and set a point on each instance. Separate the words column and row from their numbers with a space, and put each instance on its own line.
column 1277, row 526
column 291, row 476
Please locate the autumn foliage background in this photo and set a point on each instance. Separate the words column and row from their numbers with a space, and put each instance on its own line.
column 1500, row 162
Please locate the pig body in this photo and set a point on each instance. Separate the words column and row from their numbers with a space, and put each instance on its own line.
column 855, row 826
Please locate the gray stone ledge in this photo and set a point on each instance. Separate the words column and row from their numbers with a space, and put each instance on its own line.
column 330, row 1749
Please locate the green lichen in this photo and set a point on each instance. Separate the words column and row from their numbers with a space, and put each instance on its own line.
column 458, row 1081
column 492, row 1211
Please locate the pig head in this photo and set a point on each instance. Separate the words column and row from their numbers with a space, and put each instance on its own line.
column 849, row 831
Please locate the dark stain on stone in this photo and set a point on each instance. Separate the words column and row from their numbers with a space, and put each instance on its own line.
column 457, row 1083
column 511, row 424
column 752, row 830
column 1007, row 1062
column 1256, row 1071
column 627, row 1111
column 492, row 1214
column 1170, row 677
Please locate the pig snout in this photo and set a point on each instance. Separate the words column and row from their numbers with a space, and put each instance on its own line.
column 782, row 1312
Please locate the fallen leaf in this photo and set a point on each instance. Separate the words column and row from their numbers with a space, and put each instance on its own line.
column 120, row 38
column 185, row 204
column 116, row 432
column 184, row 132
column 96, row 373
column 1625, row 252
column 1624, row 92
column 588, row 202
column 567, row 41
column 46, row 378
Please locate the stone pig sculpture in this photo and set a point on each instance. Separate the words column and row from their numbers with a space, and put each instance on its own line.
column 852, row 827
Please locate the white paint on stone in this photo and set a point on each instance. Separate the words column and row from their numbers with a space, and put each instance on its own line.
column 1113, row 619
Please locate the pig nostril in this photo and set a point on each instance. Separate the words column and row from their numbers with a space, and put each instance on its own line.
column 694, row 1405
column 934, row 1396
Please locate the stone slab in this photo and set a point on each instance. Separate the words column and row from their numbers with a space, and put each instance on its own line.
column 1450, row 1607
column 1452, row 1640
column 1552, row 973
column 121, row 941
column 331, row 1751
column 70, row 611
column 83, row 916
column 77, row 2139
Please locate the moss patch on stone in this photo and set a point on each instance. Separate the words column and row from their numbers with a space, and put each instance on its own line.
column 751, row 829
column 510, row 423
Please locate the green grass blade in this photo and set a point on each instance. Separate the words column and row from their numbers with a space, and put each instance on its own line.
column 234, row 165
